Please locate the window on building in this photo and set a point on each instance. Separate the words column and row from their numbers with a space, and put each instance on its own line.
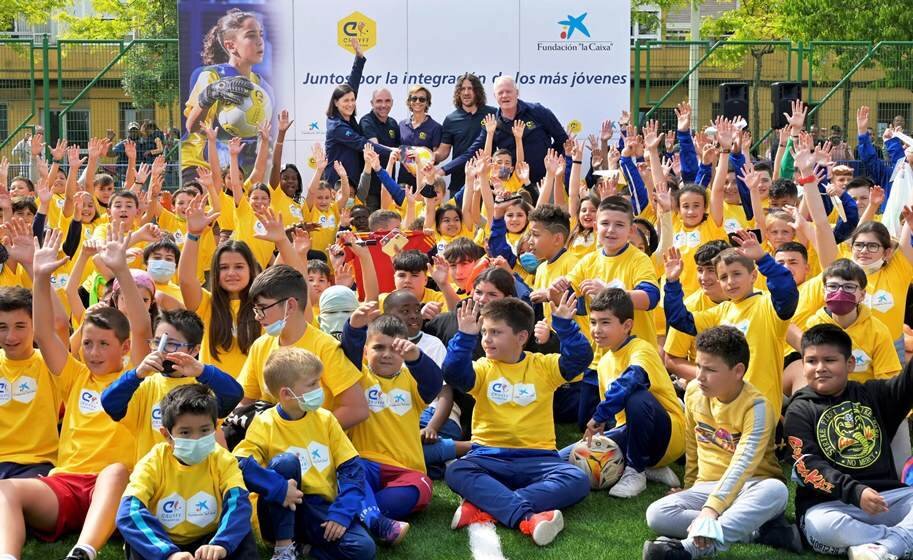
column 77, row 128
column 4, row 122
column 128, row 114
column 645, row 24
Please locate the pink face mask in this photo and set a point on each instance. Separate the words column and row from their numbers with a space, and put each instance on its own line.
column 840, row 302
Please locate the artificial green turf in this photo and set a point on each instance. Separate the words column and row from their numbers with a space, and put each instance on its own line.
column 599, row 527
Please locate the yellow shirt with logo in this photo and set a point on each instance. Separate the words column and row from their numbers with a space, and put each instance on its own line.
column 29, row 407
column 246, row 226
column 328, row 220
column 637, row 352
column 338, row 372
column 734, row 218
column 186, row 499
column 886, row 292
column 514, row 401
column 728, row 443
column 89, row 439
column 873, row 348
column 283, row 204
column 625, row 270
column 144, row 412
column 391, row 435
column 316, row 439
column 177, row 227
column 687, row 240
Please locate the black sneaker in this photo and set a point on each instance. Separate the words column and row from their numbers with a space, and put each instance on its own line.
column 77, row 554
column 665, row 549
column 780, row 533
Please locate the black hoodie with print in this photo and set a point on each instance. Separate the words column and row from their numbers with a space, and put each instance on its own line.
column 841, row 444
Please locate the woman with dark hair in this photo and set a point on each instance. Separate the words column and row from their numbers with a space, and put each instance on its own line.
column 345, row 139
column 419, row 130
column 285, row 182
column 226, row 309
column 463, row 126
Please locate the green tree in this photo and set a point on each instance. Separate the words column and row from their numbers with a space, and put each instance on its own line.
column 150, row 71
column 34, row 11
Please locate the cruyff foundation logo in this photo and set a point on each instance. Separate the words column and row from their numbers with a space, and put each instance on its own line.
column 575, row 37
column 849, row 436
column 358, row 26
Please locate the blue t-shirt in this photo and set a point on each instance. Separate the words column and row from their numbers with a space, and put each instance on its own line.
column 427, row 134
column 460, row 129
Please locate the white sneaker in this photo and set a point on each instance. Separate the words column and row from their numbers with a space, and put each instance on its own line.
column 629, row 485
column 285, row 553
column 869, row 551
column 663, row 475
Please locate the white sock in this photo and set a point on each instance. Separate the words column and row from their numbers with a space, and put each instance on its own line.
column 87, row 548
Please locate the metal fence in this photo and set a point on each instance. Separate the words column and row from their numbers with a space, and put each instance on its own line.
column 836, row 78
column 78, row 89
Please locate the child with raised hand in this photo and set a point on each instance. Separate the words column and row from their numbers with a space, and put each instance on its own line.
column 649, row 426
column 306, row 471
column 513, row 473
column 95, row 453
column 849, row 499
column 734, row 490
column 399, row 380
column 762, row 317
column 186, row 498
column 135, row 399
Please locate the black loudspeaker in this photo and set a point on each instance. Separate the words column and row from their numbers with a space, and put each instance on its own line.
column 782, row 95
column 734, row 100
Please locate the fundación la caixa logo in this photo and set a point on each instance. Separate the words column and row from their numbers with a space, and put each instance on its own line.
column 575, row 36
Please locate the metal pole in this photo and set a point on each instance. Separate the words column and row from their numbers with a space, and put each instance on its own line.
column 46, row 93
column 694, row 55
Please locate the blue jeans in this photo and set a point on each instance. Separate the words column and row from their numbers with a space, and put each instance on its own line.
column 511, row 485
column 303, row 524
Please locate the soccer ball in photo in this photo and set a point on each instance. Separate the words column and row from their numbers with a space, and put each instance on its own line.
column 242, row 120
column 602, row 461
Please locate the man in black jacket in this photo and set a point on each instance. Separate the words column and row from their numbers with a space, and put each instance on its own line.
column 849, row 499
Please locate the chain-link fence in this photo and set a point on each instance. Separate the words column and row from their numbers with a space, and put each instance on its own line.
column 835, row 79
column 83, row 89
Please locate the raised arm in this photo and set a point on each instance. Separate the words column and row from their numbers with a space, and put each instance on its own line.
column 45, row 261
column 275, row 169
column 824, row 236
column 259, row 171
column 197, row 222
column 320, row 161
column 726, row 135
column 234, row 171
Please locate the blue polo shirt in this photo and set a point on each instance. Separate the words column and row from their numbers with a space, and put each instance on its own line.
column 428, row 135
column 387, row 134
column 543, row 131
column 460, row 130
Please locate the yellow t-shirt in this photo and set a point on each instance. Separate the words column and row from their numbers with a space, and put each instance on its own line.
column 581, row 245
column 338, row 372
column 442, row 240
column 226, row 219
column 390, row 435
column 687, row 240
column 316, row 439
column 144, row 412
column 232, row 360
column 728, row 443
column 289, row 209
column 206, row 246
column 18, row 277
column 679, row 344
column 186, row 499
column 322, row 238
column 170, row 289
column 89, row 439
column 514, row 402
column 886, row 292
column 637, row 352
column 765, row 333
column 625, row 270
column 547, row 274
column 873, row 347
column 246, row 226
column 734, row 218
column 29, row 407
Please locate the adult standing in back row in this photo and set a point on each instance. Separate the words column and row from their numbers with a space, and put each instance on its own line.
column 380, row 127
column 543, row 131
column 462, row 127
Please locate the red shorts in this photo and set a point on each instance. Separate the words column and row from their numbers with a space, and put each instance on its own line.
column 74, row 495
column 395, row 476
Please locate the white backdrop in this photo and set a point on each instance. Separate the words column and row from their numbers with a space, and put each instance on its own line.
column 583, row 79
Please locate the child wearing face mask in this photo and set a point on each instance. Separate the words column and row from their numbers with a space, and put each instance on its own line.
column 187, row 495
column 135, row 399
column 305, row 469
column 161, row 259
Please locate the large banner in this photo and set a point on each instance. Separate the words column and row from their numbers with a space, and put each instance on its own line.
column 571, row 56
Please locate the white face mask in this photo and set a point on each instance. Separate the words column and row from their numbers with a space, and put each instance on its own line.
column 194, row 451
column 872, row 267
